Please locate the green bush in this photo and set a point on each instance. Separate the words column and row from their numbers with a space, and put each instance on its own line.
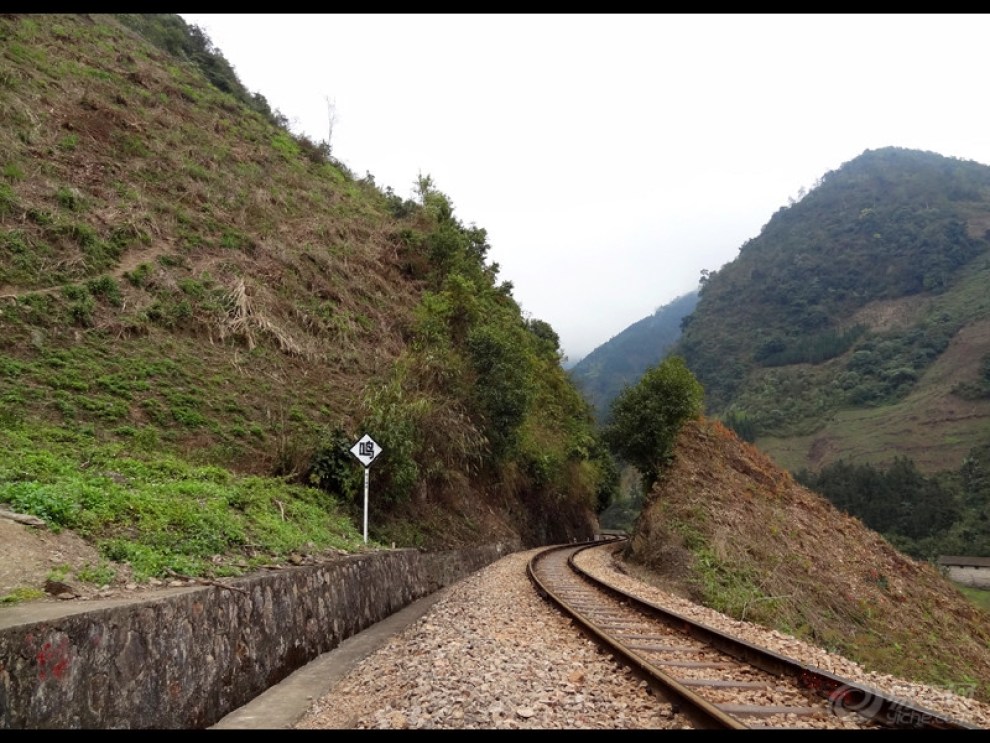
column 333, row 469
column 139, row 276
column 391, row 421
column 8, row 202
column 106, row 288
column 69, row 198
column 645, row 418
column 503, row 387
column 81, row 304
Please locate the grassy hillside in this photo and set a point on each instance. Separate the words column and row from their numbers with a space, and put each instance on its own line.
column 200, row 313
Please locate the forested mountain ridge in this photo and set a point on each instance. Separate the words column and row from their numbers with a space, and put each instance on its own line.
column 622, row 359
column 202, row 311
column 856, row 325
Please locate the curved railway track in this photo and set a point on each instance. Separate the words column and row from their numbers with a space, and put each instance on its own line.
column 715, row 680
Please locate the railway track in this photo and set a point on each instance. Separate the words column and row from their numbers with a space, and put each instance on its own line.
column 717, row 681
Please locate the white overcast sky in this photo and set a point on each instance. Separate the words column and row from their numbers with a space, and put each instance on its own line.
column 611, row 158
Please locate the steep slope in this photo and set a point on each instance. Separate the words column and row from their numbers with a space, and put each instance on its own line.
column 726, row 527
column 158, row 233
column 622, row 359
column 192, row 296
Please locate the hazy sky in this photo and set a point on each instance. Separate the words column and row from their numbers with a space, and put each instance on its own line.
column 611, row 158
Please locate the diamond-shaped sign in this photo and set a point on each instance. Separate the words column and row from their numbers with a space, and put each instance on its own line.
column 366, row 450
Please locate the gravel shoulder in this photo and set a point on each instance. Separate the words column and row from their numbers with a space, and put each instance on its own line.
column 490, row 654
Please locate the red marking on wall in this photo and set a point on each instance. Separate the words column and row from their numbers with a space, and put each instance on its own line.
column 42, row 659
column 53, row 660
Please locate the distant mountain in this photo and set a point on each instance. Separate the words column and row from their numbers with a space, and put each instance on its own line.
column 621, row 360
column 856, row 325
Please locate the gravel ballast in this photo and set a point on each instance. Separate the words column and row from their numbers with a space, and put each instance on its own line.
column 491, row 653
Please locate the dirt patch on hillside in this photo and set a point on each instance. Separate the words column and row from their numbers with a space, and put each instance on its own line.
column 30, row 555
column 130, row 261
column 38, row 564
column 889, row 314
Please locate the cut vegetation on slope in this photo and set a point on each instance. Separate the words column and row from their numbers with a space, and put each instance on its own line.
column 728, row 528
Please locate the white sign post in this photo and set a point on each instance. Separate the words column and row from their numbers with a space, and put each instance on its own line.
column 366, row 450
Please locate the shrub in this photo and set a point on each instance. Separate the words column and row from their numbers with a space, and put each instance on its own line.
column 644, row 419
column 391, row 421
column 69, row 198
column 81, row 304
column 333, row 468
column 140, row 275
column 8, row 203
column 503, row 387
column 105, row 287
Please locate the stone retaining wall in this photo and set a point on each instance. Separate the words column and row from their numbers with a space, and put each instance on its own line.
column 186, row 660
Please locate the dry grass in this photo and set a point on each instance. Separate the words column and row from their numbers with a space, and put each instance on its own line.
column 312, row 305
column 727, row 526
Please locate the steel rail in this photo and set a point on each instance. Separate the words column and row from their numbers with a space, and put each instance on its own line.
column 844, row 696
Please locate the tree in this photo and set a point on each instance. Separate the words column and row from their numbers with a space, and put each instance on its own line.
column 644, row 419
column 436, row 203
column 503, row 389
column 549, row 339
